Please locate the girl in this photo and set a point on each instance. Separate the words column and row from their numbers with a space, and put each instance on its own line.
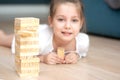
column 66, row 19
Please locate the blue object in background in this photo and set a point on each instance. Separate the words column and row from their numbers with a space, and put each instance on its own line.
column 101, row 19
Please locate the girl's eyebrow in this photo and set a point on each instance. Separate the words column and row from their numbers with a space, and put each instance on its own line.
column 76, row 17
column 60, row 16
column 65, row 16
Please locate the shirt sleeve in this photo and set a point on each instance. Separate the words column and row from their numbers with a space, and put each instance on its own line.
column 82, row 44
column 45, row 39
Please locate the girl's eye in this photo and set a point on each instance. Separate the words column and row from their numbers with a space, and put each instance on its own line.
column 75, row 20
column 60, row 19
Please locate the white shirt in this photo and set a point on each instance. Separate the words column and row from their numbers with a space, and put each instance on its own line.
column 46, row 45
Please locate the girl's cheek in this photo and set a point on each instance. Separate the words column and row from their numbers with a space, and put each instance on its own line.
column 61, row 24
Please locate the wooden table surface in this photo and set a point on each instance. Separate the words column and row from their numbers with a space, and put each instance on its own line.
column 93, row 67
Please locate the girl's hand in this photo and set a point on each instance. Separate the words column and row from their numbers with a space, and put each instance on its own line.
column 52, row 58
column 71, row 58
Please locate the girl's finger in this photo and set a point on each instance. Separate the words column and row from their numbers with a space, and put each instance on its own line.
column 52, row 61
column 56, row 59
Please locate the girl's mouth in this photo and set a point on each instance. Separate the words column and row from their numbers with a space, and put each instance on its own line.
column 66, row 33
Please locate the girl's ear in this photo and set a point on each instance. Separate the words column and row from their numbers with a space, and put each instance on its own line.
column 50, row 21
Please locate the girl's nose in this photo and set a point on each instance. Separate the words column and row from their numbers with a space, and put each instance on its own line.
column 68, row 25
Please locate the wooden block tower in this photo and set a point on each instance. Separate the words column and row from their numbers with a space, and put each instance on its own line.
column 27, row 46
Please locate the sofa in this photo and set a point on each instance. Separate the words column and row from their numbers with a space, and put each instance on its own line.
column 101, row 19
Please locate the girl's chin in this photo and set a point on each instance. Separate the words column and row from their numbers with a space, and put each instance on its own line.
column 66, row 39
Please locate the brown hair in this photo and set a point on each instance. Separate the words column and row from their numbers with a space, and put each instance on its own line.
column 78, row 3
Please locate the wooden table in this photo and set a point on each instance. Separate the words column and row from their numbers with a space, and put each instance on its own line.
column 89, row 68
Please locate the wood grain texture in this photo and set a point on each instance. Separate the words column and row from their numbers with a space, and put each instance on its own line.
column 60, row 52
column 102, row 63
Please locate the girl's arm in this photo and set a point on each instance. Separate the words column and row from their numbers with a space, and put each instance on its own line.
column 6, row 39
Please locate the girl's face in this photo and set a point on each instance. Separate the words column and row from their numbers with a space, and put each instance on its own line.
column 66, row 22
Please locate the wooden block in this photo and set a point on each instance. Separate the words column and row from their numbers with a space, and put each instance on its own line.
column 27, row 66
column 29, row 41
column 21, row 52
column 36, row 42
column 28, row 71
column 27, row 47
column 30, row 36
column 60, row 52
column 26, row 23
column 28, row 59
column 27, row 33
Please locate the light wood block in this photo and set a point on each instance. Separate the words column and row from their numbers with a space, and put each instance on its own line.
column 27, row 33
column 35, row 42
column 27, row 66
column 26, row 23
column 60, row 52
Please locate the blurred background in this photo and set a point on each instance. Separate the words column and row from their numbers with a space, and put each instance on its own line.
column 10, row 9
column 101, row 20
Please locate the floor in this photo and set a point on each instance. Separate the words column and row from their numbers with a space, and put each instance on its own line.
column 102, row 63
column 106, row 51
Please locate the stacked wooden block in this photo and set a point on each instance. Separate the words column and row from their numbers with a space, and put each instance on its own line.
column 27, row 46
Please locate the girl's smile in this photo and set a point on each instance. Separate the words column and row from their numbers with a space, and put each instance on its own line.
column 66, row 33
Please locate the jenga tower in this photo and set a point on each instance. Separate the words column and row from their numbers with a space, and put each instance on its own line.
column 27, row 46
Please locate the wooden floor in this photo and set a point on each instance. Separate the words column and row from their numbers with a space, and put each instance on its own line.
column 102, row 63
column 104, row 54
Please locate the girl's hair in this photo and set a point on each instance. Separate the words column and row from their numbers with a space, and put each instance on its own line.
column 55, row 3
